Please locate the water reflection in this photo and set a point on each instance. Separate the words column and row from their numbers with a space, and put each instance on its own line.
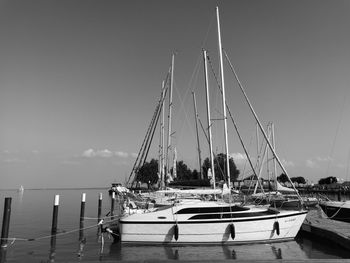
column 52, row 249
column 20, row 198
column 31, row 218
column 282, row 250
column 3, row 251
column 277, row 252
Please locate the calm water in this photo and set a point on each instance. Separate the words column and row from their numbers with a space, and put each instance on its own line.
column 31, row 218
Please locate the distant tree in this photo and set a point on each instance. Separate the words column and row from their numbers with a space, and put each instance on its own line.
column 282, row 178
column 183, row 172
column 220, row 167
column 299, row 180
column 148, row 172
column 195, row 175
column 328, row 180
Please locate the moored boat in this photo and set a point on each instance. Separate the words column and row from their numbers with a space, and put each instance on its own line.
column 217, row 222
column 337, row 210
column 211, row 222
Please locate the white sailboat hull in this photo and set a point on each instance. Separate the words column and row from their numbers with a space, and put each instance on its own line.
column 159, row 227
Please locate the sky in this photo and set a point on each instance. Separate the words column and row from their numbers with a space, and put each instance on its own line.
column 80, row 80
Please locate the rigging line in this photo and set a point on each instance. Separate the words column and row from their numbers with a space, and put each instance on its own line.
column 245, row 163
column 336, row 135
column 182, row 101
column 155, row 125
column 208, row 29
column 260, row 126
column 147, row 136
column 195, row 73
column 182, row 108
column 192, row 83
column 216, row 95
column 234, row 122
column 205, row 134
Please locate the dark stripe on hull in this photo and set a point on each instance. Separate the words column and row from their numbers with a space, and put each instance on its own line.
column 179, row 243
column 211, row 221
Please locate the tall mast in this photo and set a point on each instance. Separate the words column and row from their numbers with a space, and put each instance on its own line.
column 223, row 99
column 169, row 114
column 208, row 116
column 198, row 144
column 162, row 164
column 160, row 143
column 274, row 159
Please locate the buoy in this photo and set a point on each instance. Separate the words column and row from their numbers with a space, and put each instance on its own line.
column 176, row 232
column 276, row 226
column 232, row 231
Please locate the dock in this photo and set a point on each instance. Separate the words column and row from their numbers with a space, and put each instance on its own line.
column 319, row 225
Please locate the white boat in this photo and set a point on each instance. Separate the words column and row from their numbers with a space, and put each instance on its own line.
column 211, row 222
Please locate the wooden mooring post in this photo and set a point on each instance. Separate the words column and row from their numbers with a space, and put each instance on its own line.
column 6, row 222
column 99, row 210
column 82, row 215
column 55, row 215
column 56, row 203
column 112, row 205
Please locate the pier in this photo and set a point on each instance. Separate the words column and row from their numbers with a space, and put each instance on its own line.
column 318, row 224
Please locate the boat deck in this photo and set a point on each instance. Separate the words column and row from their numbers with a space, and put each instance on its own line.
column 318, row 224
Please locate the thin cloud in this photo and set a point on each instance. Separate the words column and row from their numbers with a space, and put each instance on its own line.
column 91, row 153
column 239, row 157
column 318, row 162
column 324, row 159
column 122, row 154
column 104, row 153
column 14, row 160
column 311, row 164
column 288, row 163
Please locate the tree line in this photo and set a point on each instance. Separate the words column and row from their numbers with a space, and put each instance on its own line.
column 148, row 173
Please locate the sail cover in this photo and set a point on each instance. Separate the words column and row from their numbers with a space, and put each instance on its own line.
column 282, row 188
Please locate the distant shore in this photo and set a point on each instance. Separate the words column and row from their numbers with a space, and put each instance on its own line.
column 56, row 188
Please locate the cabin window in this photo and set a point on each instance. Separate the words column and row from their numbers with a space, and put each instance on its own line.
column 205, row 210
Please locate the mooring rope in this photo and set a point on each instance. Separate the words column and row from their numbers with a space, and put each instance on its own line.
column 331, row 217
column 13, row 239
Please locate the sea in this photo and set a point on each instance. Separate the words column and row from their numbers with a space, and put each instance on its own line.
column 30, row 235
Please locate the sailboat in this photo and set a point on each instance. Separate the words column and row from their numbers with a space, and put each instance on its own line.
column 210, row 222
